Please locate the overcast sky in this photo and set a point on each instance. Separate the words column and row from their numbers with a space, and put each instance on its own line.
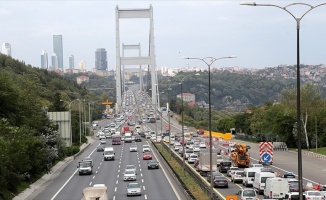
column 259, row 36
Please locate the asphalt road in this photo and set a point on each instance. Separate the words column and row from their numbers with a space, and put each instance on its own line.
column 156, row 184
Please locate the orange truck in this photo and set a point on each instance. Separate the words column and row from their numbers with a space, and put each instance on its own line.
column 239, row 156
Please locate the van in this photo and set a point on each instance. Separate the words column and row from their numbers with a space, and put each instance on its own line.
column 260, row 180
column 249, row 176
column 108, row 153
column 276, row 188
column 293, row 196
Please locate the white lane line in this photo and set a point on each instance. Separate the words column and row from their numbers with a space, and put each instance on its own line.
column 118, row 176
column 142, row 180
column 145, row 196
column 100, row 163
column 117, row 182
column 141, row 174
column 64, row 185
column 139, row 169
column 90, row 183
column 119, row 166
column 143, row 187
column 115, row 189
column 93, row 177
column 119, row 171
column 96, row 172
column 98, row 167
column 113, row 197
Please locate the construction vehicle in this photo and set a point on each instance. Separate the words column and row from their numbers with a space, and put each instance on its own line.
column 239, row 156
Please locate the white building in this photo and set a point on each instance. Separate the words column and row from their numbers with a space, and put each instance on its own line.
column 54, row 59
column 6, row 49
column 44, row 60
column 187, row 97
column 82, row 66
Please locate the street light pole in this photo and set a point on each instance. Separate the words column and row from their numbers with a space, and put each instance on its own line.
column 212, row 60
column 297, row 19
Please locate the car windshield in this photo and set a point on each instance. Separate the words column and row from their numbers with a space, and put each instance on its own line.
column 314, row 194
column 189, row 151
column 108, row 152
column 193, row 156
column 133, row 146
column 240, row 173
column 130, row 167
column 134, row 185
column 251, row 174
column 129, row 172
column 249, row 193
column 226, row 163
column 85, row 164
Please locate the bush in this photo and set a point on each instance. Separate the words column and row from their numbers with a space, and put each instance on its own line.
column 69, row 151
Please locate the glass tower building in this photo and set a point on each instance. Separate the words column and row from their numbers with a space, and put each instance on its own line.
column 44, row 60
column 58, row 50
column 71, row 62
column 101, row 59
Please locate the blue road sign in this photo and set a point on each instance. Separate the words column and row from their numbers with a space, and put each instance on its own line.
column 266, row 157
column 167, row 131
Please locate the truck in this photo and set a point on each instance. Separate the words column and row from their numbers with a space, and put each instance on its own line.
column 126, row 129
column 85, row 167
column 204, row 165
column 239, row 156
column 98, row 191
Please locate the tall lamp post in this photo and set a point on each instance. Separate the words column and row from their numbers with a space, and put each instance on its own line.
column 298, row 20
column 209, row 63
column 69, row 107
column 183, row 135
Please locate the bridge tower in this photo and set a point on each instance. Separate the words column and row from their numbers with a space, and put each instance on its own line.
column 141, row 60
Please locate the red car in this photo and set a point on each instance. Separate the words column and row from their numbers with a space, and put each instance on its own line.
column 147, row 156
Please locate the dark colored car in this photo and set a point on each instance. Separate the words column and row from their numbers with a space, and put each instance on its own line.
column 100, row 148
column 224, row 166
column 138, row 138
column 214, row 174
column 152, row 164
column 142, row 134
column 220, row 181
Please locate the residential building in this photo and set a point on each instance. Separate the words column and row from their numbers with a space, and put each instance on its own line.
column 82, row 66
column 187, row 97
column 6, row 49
column 44, row 60
column 58, row 49
column 81, row 79
column 101, row 59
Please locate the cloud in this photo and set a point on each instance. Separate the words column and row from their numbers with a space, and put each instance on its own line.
column 5, row 12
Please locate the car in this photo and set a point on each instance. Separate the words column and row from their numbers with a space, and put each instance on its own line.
column 189, row 144
column 231, row 169
column 177, row 146
column 260, row 166
column 237, row 176
column 231, row 144
column 100, row 148
column 133, row 189
column 202, row 145
column 129, row 175
column 219, row 160
column 288, row 175
column 138, row 138
column 313, row 194
column 103, row 141
column 220, row 181
column 247, row 194
column 180, row 150
column 267, row 169
column 88, row 159
column 152, row 164
column 188, row 152
column 224, row 166
column 293, row 196
column 146, row 148
column 133, row 148
column 192, row 158
column 196, row 148
column 131, row 167
column 147, row 156
column 208, row 177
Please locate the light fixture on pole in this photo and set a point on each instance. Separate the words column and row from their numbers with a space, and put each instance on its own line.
column 212, row 60
column 297, row 20
column 182, row 126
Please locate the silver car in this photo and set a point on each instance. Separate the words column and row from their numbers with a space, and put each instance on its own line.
column 131, row 167
column 133, row 189
column 247, row 194
column 129, row 175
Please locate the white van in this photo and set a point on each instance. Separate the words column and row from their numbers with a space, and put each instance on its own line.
column 276, row 188
column 108, row 153
column 260, row 180
column 249, row 176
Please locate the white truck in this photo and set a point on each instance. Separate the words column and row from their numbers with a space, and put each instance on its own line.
column 204, row 163
column 98, row 191
column 276, row 188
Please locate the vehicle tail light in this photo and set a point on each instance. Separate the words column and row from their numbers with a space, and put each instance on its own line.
column 270, row 194
column 308, row 198
column 322, row 198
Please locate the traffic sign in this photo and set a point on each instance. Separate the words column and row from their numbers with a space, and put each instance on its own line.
column 266, row 157
column 168, row 131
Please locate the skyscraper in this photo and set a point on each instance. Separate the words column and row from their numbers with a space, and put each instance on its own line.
column 71, row 62
column 6, row 49
column 54, row 59
column 58, row 49
column 44, row 60
column 100, row 59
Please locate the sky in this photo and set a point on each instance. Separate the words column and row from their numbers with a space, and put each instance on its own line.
column 259, row 36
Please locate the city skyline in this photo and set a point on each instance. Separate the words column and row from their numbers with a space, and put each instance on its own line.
column 259, row 36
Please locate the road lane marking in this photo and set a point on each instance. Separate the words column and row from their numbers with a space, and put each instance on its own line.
column 93, row 177
column 143, row 187
column 113, row 197
column 145, row 196
column 115, row 189
column 117, row 182
column 141, row 174
column 90, row 183
column 142, row 180
column 119, row 171
column 118, row 176
column 96, row 172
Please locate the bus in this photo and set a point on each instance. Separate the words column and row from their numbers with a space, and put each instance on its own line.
column 116, row 139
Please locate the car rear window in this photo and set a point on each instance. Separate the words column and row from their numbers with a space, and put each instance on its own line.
column 226, row 163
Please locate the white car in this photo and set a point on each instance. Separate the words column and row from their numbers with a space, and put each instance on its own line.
column 247, row 194
column 103, row 141
column 129, row 175
column 188, row 152
column 146, row 148
column 133, row 189
column 192, row 158
column 177, row 147
column 315, row 195
column 219, row 159
column 237, row 176
column 131, row 168
column 202, row 145
column 232, row 169
column 196, row 148
column 231, row 144
column 133, row 148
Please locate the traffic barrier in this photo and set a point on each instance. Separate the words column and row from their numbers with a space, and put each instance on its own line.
column 314, row 155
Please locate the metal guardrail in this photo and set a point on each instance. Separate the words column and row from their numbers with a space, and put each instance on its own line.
column 202, row 183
